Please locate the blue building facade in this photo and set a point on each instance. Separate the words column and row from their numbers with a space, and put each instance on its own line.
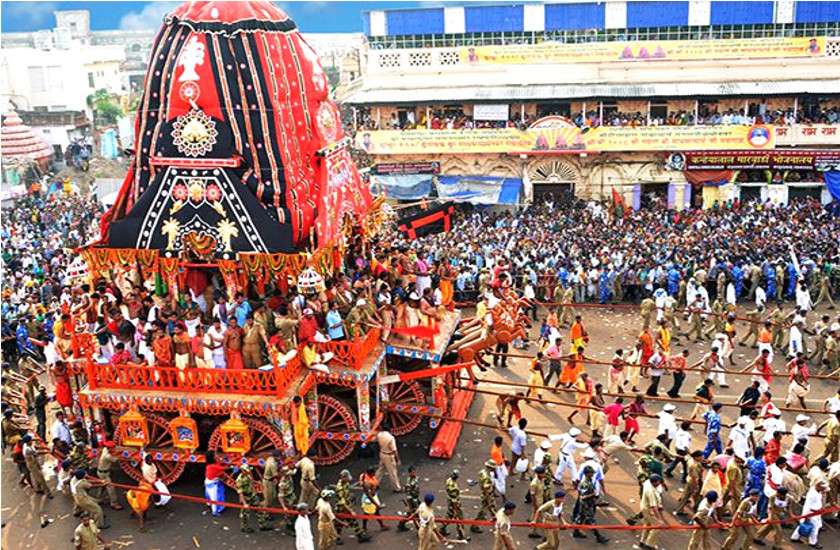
column 573, row 15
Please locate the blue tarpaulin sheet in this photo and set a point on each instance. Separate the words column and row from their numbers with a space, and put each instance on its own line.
column 402, row 187
column 480, row 189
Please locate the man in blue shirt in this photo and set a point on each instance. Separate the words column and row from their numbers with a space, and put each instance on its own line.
column 243, row 309
column 335, row 327
column 713, row 442
column 22, row 336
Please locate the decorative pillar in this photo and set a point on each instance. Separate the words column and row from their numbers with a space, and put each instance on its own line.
column 363, row 402
column 696, row 111
column 286, row 432
column 601, row 111
column 428, row 117
column 795, row 107
column 311, row 400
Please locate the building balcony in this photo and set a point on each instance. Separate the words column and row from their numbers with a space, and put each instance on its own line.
column 601, row 69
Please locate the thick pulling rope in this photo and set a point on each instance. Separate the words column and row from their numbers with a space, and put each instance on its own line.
column 646, row 397
column 589, row 361
column 592, row 408
column 615, row 527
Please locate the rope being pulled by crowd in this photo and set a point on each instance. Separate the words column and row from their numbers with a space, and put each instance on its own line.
column 665, row 366
column 532, row 525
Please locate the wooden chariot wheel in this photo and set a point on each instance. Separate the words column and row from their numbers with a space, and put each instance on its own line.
column 407, row 395
column 334, row 417
column 160, row 441
column 264, row 439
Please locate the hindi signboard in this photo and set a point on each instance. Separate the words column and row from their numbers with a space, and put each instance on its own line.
column 643, row 51
column 569, row 139
column 761, row 160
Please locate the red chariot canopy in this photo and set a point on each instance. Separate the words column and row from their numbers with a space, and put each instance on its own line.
column 239, row 147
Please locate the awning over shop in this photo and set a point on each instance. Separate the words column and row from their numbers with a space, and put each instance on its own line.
column 402, row 187
column 480, row 189
column 404, row 91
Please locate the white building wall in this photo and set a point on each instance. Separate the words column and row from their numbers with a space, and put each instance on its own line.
column 454, row 20
column 784, row 11
column 378, row 23
column 615, row 15
column 57, row 79
column 534, row 17
column 699, row 12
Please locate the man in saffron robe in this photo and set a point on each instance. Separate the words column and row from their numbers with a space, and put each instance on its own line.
column 300, row 422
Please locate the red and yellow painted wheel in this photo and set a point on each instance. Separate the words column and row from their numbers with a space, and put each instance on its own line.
column 160, row 441
column 338, row 423
column 264, row 439
column 404, row 421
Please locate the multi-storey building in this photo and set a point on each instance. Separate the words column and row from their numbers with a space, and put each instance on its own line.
column 690, row 101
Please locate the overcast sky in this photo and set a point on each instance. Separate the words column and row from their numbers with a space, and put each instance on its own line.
column 309, row 16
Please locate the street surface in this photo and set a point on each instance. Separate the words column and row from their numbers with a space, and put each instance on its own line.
column 183, row 525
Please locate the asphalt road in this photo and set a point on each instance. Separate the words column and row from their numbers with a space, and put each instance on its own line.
column 183, row 525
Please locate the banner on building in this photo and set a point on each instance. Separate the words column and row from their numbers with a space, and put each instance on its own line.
column 646, row 50
column 395, row 168
column 762, row 160
column 566, row 139
column 814, row 134
column 491, row 111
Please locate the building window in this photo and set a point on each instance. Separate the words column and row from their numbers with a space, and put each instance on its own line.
column 91, row 83
column 37, row 79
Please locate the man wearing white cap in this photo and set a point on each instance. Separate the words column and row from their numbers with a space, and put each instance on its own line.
column 667, row 422
column 801, row 431
column 773, row 424
column 724, row 346
column 598, row 477
column 541, row 452
column 566, row 459
column 813, row 502
column 739, row 439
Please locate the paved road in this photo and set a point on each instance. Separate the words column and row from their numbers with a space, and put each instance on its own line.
column 175, row 526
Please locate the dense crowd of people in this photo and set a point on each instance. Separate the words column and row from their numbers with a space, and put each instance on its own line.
column 692, row 267
column 707, row 115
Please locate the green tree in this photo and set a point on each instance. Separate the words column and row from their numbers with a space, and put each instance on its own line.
column 105, row 106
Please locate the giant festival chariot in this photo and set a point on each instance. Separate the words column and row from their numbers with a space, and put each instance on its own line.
column 241, row 172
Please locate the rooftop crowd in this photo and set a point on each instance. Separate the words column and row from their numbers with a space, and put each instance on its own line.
column 707, row 115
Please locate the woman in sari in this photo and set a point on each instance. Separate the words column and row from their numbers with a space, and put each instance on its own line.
column 214, row 488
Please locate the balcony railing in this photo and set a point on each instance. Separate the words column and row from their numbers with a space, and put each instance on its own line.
column 352, row 353
column 273, row 382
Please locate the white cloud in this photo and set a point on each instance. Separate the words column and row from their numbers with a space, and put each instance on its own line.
column 149, row 18
column 34, row 13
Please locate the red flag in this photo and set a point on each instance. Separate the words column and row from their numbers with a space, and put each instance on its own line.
column 618, row 200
